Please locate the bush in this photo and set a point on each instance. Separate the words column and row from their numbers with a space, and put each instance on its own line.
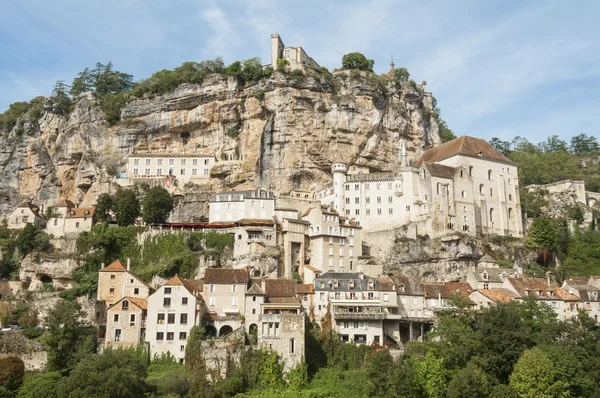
column 12, row 370
column 40, row 385
column 157, row 205
column 32, row 238
column 357, row 61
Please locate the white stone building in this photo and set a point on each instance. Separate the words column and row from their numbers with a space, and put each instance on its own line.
column 241, row 205
column 335, row 241
column 70, row 220
column 296, row 56
column 181, row 168
column 224, row 294
column 173, row 310
column 589, row 293
column 26, row 213
column 462, row 185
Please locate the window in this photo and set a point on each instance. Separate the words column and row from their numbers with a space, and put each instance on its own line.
column 347, row 201
column 212, row 301
column 183, row 318
column 171, row 162
column 356, row 186
column 125, row 305
column 292, row 346
column 407, row 208
column 116, row 318
column 160, row 336
column 378, row 185
column 233, row 288
column 159, row 162
column 56, row 221
column 182, row 335
column 182, row 172
column 386, row 297
column 171, row 318
column 356, row 200
column 161, row 319
column 491, row 192
column 253, row 310
column 131, row 319
column 184, row 301
column 490, row 175
column 463, row 194
column 117, row 334
column 390, row 211
column 510, row 212
column 351, row 265
column 234, row 301
column 183, row 162
column 481, row 189
column 357, row 212
column 136, row 291
column 112, row 290
column 379, row 211
column 491, row 215
column 170, row 335
column 366, row 187
column 378, row 199
column 390, row 199
column 147, row 172
column 509, row 196
column 136, row 162
column 368, row 212
column 167, row 290
column 194, row 172
column 368, row 200
column 112, row 276
column 167, row 302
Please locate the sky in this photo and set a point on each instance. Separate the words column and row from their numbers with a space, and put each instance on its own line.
column 497, row 68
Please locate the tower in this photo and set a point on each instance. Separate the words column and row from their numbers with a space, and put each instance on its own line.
column 339, row 169
column 404, row 156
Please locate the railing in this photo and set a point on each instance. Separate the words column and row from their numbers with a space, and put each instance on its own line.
column 363, row 313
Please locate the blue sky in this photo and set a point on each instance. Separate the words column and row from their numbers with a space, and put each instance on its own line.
column 497, row 68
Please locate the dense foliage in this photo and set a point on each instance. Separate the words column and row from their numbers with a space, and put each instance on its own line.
column 32, row 238
column 357, row 61
column 8, row 245
column 157, row 205
column 12, row 370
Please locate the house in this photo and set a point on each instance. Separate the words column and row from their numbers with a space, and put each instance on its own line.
column 170, row 169
column 224, row 294
column 126, row 322
column 26, row 213
column 564, row 304
column 69, row 220
column 306, row 293
column 440, row 296
column 173, row 310
column 416, row 319
column 484, row 298
column 462, row 185
column 335, row 241
column 588, row 293
column 296, row 56
column 490, row 278
column 359, row 307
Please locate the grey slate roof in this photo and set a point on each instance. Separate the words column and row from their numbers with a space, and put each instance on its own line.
column 325, row 282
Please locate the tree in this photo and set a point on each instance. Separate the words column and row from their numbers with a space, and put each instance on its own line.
column 113, row 374
column 104, row 208
column 542, row 234
column 41, row 385
column 357, row 61
column 581, row 144
column 554, row 144
column 12, row 370
column 68, row 339
column 157, row 206
column 583, row 254
column 502, row 146
column 61, row 97
column 455, row 339
column 534, row 376
column 126, row 207
column 401, row 75
column 297, row 377
column 429, row 375
column 471, row 382
column 381, row 372
column 32, row 238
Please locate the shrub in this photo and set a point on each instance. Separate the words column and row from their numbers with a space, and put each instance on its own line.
column 357, row 61
column 12, row 370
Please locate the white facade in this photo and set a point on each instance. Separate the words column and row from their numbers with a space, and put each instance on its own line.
column 183, row 167
column 464, row 185
column 172, row 312
column 69, row 220
column 239, row 205
column 296, row 56
column 26, row 213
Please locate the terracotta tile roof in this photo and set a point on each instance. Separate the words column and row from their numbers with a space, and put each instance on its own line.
column 64, row 203
column 280, row 287
column 219, row 276
column 282, row 300
column 439, row 170
column 564, row 295
column 115, row 266
column 464, row 145
column 447, row 290
column 386, row 284
column 80, row 212
column 313, row 269
column 191, row 286
column 499, row 295
column 34, row 208
column 537, row 287
column 139, row 302
column 305, row 288
column 255, row 290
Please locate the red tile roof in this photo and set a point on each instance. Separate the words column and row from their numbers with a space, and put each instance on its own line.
column 464, row 145
column 139, row 302
column 115, row 266
column 80, row 212
column 64, row 203
column 220, row 276
column 499, row 295
column 305, row 288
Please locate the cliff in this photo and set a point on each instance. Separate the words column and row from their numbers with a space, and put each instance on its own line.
column 280, row 133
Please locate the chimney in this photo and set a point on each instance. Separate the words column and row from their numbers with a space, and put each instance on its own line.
column 102, row 266
column 129, row 264
column 263, row 285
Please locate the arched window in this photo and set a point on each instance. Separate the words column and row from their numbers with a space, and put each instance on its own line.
column 510, row 212
column 491, row 192
column 481, row 189
column 438, row 188
column 462, row 174
column 491, row 215
column 490, row 175
column 463, row 194
column 318, row 229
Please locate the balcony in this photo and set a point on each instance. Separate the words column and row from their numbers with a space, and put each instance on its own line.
column 359, row 313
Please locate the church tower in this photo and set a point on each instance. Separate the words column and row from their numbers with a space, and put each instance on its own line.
column 339, row 169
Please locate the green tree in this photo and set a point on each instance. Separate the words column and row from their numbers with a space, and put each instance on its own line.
column 41, row 385
column 381, row 372
column 126, row 207
column 5, row 392
column 357, row 61
column 502, row 146
column 113, row 374
column 469, row 382
column 401, row 75
column 12, row 370
column 157, row 206
column 583, row 254
column 9, row 118
column 455, row 339
column 582, row 144
column 429, row 374
column 32, row 238
column 61, row 97
column 542, row 234
column 554, row 144
column 534, row 376
column 104, row 208
column 167, row 377
column 68, row 339
column 297, row 377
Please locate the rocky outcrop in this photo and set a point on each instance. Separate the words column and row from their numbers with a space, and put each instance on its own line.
column 280, row 133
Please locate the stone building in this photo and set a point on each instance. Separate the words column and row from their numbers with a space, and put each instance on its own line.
column 241, row 205
column 126, row 322
column 588, row 293
column 294, row 241
column 335, row 241
column 416, row 319
column 173, row 310
column 224, row 294
column 485, row 298
column 178, row 168
column 462, row 185
column 70, row 220
column 26, row 213
column 363, row 309
column 296, row 56
column 489, row 275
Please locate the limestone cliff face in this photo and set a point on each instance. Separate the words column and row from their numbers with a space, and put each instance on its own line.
column 281, row 133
